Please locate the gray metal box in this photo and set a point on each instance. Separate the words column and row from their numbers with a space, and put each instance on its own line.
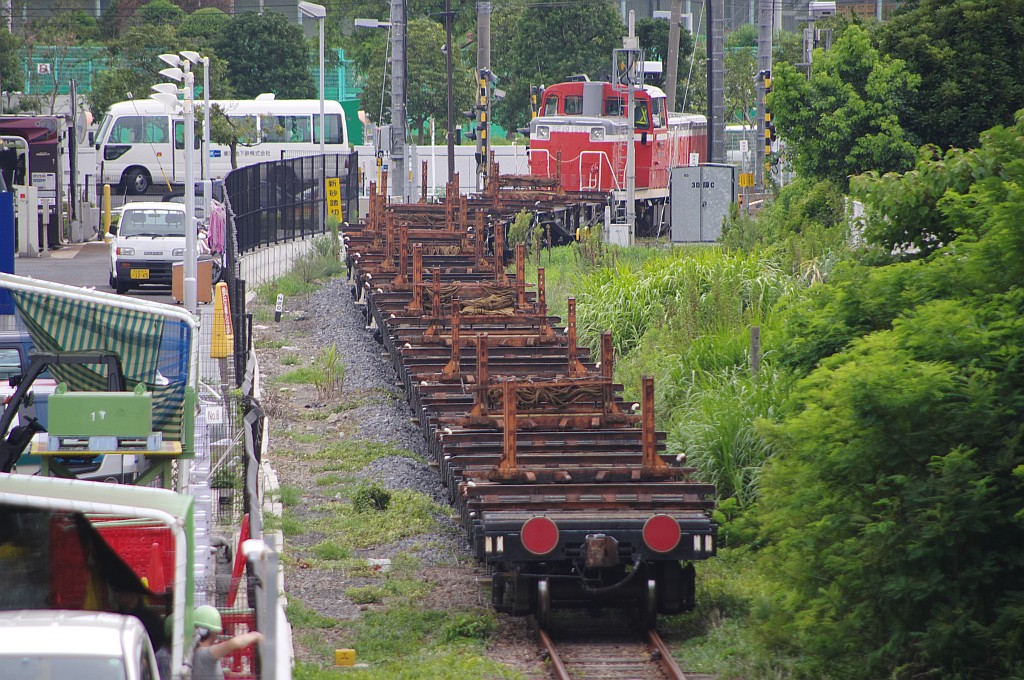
column 700, row 197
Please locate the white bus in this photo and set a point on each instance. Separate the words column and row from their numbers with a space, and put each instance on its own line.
column 141, row 143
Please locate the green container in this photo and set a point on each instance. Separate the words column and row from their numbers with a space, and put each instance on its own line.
column 98, row 414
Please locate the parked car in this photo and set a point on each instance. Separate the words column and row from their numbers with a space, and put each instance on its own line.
column 149, row 240
column 44, row 644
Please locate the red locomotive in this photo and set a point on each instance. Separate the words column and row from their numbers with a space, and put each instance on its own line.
column 580, row 137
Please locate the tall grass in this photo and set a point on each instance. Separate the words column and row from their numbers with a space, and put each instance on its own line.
column 695, row 290
column 684, row 315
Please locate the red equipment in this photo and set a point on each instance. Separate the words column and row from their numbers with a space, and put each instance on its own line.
column 580, row 137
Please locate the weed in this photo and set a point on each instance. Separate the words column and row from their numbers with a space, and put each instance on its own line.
column 301, row 616
column 370, row 497
column 292, row 525
column 306, row 375
column 330, row 381
column 289, row 495
column 291, row 360
column 331, row 550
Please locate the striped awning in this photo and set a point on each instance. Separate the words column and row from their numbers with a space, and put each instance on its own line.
column 154, row 346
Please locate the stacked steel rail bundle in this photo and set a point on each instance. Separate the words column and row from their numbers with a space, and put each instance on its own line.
column 563, row 488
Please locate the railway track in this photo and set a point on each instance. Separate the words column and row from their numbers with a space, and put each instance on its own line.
column 564, row 489
column 596, row 649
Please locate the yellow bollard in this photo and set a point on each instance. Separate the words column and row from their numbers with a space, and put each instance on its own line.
column 223, row 340
column 344, row 657
column 106, row 209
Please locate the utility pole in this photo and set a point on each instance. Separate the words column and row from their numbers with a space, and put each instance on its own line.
column 716, row 80
column 448, row 17
column 672, row 69
column 764, row 69
column 398, row 98
column 631, row 48
column 485, row 78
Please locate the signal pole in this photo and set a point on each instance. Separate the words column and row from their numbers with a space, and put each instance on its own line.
column 398, row 98
column 716, row 80
column 764, row 70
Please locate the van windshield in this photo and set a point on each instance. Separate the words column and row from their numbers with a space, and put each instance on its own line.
column 152, row 223
column 28, row 667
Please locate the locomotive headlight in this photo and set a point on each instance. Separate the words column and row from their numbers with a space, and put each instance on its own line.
column 597, row 134
column 542, row 132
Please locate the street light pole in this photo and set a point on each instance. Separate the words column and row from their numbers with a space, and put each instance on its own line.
column 181, row 72
column 191, row 246
column 318, row 12
column 196, row 59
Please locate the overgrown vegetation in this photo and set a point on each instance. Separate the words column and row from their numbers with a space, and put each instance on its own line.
column 321, row 262
column 870, row 471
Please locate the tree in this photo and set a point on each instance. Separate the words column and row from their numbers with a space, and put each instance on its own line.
column 969, row 54
column 266, row 54
column 11, row 75
column 845, row 120
column 544, row 44
column 133, row 66
column 231, row 131
column 160, row 13
column 653, row 35
column 203, row 26
column 427, row 87
column 894, row 503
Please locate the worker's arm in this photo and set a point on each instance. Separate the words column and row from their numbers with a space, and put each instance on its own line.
column 222, row 649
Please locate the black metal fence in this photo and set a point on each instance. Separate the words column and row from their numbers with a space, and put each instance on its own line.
column 285, row 200
column 276, row 202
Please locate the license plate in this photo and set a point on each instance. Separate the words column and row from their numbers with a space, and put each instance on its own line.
column 140, row 274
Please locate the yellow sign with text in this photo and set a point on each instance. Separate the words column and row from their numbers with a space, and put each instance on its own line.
column 746, row 179
column 334, row 197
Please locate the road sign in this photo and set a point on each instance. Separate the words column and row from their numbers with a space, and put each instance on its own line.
column 746, row 179
column 334, row 197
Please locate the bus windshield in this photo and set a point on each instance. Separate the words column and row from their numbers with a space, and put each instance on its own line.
column 101, row 135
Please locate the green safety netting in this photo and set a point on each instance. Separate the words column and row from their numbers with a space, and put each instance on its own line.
column 154, row 348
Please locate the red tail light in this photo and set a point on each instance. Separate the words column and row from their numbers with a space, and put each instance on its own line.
column 661, row 533
column 539, row 535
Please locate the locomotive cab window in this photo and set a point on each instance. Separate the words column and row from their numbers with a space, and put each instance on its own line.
column 551, row 106
column 641, row 115
column 658, row 112
column 573, row 105
column 614, row 106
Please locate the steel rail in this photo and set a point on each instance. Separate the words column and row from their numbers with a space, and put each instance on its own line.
column 668, row 664
column 557, row 665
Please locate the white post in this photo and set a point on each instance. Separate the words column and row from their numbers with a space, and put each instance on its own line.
column 189, row 265
column 323, row 132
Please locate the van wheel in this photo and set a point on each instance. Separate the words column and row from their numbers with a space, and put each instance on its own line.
column 136, row 181
column 111, row 281
column 120, row 286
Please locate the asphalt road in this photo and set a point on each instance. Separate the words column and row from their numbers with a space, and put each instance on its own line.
column 82, row 264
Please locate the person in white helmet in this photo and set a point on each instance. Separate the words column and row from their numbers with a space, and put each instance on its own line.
column 206, row 658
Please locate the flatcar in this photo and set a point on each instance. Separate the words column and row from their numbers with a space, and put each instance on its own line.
column 580, row 137
column 565, row 491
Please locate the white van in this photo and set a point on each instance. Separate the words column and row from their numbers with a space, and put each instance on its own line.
column 44, row 644
column 150, row 238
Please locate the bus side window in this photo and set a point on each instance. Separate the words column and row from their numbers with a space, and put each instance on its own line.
column 179, row 135
column 332, row 122
column 127, row 130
